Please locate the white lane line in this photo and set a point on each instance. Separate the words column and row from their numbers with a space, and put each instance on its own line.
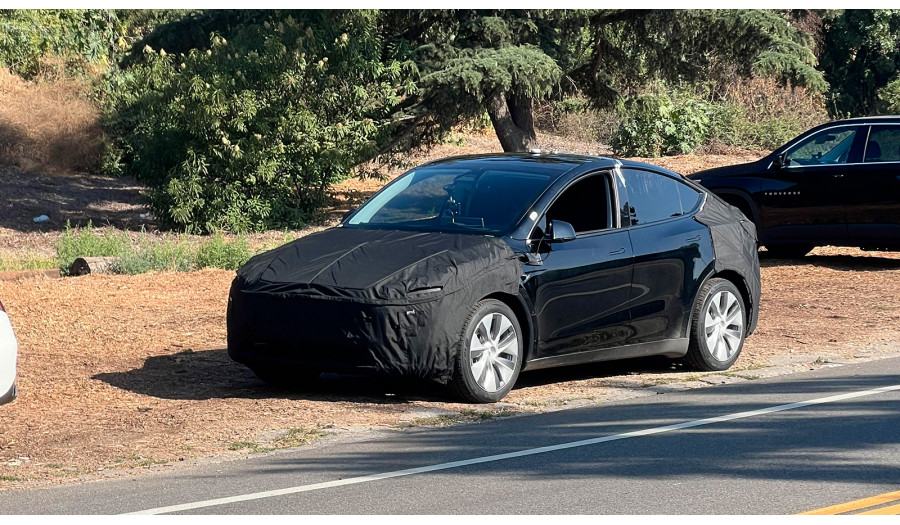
column 511, row 455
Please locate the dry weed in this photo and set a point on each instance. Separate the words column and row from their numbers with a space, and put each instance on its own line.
column 48, row 125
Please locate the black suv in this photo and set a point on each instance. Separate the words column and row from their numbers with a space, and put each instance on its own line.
column 837, row 184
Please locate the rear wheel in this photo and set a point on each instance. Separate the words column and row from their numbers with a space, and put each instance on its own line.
column 718, row 328
column 285, row 376
column 490, row 353
column 788, row 251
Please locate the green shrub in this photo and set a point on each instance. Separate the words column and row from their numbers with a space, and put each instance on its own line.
column 656, row 125
column 216, row 252
column 250, row 133
column 157, row 254
column 86, row 242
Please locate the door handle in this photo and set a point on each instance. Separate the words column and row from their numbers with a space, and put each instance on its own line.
column 620, row 251
column 695, row 238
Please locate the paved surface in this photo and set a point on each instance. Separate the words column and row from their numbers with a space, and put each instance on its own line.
column 781, row 446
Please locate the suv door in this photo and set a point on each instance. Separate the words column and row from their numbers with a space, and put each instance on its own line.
column 873, row 192
column 804, row 199
column 672, row 253
column 581, row 289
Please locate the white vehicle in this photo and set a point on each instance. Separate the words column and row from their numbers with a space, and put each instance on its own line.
column 8, row 351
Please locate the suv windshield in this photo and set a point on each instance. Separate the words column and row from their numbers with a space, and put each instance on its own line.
column 454, row 199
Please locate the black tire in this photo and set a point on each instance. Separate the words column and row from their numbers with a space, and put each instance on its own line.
column 286, row 376
column 700, row 356
column 788, row 251
column 463, row 384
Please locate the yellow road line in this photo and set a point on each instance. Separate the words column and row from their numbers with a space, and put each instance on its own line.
column 858, row 504
column 883, row 511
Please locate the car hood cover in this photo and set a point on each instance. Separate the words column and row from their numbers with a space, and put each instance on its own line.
column 380, row 265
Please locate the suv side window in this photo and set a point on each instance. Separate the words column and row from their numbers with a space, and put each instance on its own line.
column 586, row 205
column 883, row 144
column 653, row 197
column 830, row 146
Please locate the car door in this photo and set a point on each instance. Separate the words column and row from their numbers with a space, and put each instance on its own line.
column 872, row 190
column 581, row 288
column 803, row 200
column 672, row 252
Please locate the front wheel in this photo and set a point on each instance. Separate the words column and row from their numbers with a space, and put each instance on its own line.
column 490, row 353
column 718, row 327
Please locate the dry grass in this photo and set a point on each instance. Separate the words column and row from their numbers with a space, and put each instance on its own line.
column 48, row 125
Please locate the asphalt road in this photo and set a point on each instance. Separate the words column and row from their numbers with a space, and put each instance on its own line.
column 781, row 446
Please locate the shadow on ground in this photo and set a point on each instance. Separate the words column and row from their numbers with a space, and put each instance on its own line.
column 211, row 374
column 75, row 198
column 850, row 263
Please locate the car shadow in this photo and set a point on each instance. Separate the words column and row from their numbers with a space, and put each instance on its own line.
column 211, row 374
column 850, row 263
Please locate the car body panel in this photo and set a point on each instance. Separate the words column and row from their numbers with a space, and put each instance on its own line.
column 8, row 352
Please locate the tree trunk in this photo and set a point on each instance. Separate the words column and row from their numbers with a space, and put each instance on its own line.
column 513, row 122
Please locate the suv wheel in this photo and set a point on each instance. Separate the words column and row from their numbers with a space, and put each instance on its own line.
column 490, row 353
column 718, row 327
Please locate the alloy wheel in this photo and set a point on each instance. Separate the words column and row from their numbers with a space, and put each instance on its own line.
column 493, row 352
column 724, row 325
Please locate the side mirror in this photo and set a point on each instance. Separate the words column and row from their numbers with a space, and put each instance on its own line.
column 561, row 231
column 781, row 161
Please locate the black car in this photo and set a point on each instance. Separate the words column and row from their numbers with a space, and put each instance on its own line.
column 837, row 184
column 470, row 269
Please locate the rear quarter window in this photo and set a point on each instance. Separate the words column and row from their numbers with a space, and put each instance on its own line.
column 653, row 197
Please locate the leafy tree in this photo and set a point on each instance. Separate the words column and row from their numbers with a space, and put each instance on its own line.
column 503, row 60
column 247, row 129
column 80, row 36
column 861, row 60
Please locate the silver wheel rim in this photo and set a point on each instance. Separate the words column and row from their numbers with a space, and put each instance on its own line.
column 493, row 352
column 724, row 325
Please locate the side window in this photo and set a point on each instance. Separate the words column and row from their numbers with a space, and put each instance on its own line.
column 883, row 144
column 831, row 146
column 652, row 197
column 689, row 197
column 585, row 205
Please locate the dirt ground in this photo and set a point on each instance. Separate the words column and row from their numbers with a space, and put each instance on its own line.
column 122, row 374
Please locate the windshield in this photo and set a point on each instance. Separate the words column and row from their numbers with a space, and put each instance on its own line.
column 454, row 199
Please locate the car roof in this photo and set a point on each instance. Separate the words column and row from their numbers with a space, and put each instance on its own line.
column 511, row 160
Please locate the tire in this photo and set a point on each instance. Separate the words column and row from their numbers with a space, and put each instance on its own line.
column 716, row 341
column 499, row 356
column 285, row 376
column 788, row 251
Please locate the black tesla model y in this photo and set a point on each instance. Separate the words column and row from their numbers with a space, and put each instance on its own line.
column 469, row 270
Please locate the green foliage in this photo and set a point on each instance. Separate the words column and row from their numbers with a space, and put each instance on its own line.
column 216, row 252
column 26, row 262
column 86, row 242
column 655, row 125
column 250, row 133
column 83, row 38
column 157, row 254
column 860, row 57
column 150, row 252
column 888, row 97
column 29, row 35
